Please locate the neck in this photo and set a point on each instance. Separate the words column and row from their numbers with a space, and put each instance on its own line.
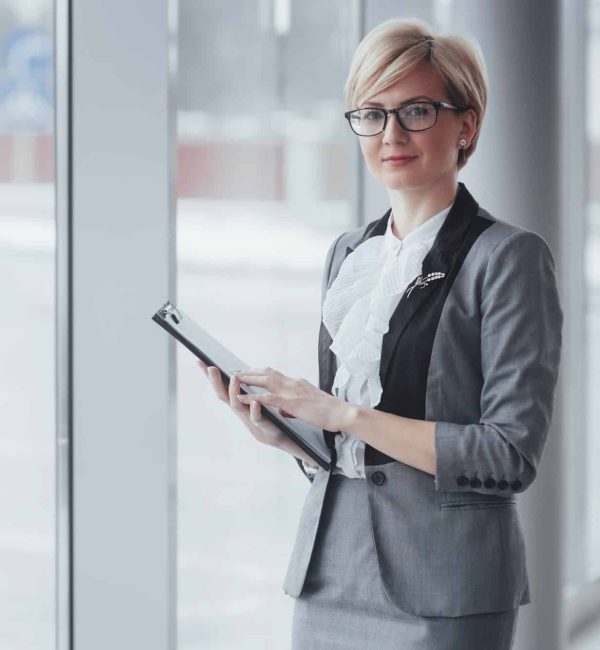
column 413, row 206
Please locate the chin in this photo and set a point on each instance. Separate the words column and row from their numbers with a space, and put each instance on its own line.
column 405, row 179
column 400, row 181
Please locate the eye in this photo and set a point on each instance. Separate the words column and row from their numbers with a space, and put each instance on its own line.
column 372, row 115
column 416, row 110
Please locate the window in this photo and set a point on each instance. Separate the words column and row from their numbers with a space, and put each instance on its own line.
column 27, row 395
column 265, row 183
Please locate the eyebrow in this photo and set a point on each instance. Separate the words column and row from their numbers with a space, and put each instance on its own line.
column 370, row 103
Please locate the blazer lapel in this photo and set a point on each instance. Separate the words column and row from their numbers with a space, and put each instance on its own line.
column 435, row 267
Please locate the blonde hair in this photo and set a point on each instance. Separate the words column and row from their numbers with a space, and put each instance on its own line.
column 395, row 47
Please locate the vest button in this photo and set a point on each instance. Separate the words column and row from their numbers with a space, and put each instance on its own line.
column 462, row 480
column 516, row 485
column 490, row 483
column 378, row 478
column 503, row 484
column 475, row 482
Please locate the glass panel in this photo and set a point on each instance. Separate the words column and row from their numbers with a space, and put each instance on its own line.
column 27, row 383
column 265, row 180
column 592, row 490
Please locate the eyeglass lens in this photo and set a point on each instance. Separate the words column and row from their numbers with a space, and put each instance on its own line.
column 370, row 121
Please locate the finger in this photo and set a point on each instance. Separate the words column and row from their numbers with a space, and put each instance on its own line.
column 253, row 371
column 203, row 366
column 215, row 378
column 253, row 380
column 261, row 372
column 255, row 412
column 270, row 399
column 234, row 391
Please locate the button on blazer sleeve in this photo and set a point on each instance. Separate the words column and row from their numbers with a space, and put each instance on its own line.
column 310, row 474
column 521, row 339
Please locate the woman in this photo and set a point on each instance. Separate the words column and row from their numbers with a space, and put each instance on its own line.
column 439, row 352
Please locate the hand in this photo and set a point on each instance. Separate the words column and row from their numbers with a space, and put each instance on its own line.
column 261, row 428
column 296, row 397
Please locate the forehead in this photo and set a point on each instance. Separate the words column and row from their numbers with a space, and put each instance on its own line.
column 422, row 82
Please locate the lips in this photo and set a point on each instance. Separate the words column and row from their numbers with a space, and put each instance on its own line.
column 399, row 158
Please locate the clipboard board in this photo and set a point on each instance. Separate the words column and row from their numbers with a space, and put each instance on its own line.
column 211, row 352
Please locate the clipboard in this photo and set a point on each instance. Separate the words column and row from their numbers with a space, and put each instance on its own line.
column 309, row 438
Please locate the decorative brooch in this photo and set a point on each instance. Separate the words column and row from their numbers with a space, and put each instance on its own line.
column 422, row 281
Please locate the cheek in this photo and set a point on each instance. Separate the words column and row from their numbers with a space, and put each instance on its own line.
column 438, row 153
column 370, row 152
column 439, row 147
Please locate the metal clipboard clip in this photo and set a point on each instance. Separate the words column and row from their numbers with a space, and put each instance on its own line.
column 169, row 311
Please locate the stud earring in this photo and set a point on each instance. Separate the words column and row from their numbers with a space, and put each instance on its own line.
column 462, row 142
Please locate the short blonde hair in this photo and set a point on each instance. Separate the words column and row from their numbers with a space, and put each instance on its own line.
column 396, row 46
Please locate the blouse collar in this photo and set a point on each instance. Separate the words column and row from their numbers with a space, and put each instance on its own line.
column 424, row 232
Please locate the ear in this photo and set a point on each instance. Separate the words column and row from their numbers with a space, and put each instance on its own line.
column 469, row 123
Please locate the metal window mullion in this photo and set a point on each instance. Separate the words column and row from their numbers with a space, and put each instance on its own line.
column 63, row 324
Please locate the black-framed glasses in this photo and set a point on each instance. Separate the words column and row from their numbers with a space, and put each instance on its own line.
column 415, row 116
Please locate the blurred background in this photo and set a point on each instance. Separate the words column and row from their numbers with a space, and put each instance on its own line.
column 264, row 174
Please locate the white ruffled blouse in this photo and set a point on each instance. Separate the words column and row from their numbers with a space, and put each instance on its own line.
column 356, row 312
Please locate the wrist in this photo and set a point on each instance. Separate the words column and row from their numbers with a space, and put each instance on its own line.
column 349, row 416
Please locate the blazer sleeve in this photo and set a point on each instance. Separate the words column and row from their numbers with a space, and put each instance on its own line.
column 310, row 474
column 521, row 340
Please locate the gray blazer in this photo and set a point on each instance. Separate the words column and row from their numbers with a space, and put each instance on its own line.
column 475, row 346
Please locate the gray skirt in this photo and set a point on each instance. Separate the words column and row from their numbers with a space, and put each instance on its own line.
column 343, row 604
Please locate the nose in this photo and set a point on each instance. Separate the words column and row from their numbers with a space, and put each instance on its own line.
column 394, row 132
